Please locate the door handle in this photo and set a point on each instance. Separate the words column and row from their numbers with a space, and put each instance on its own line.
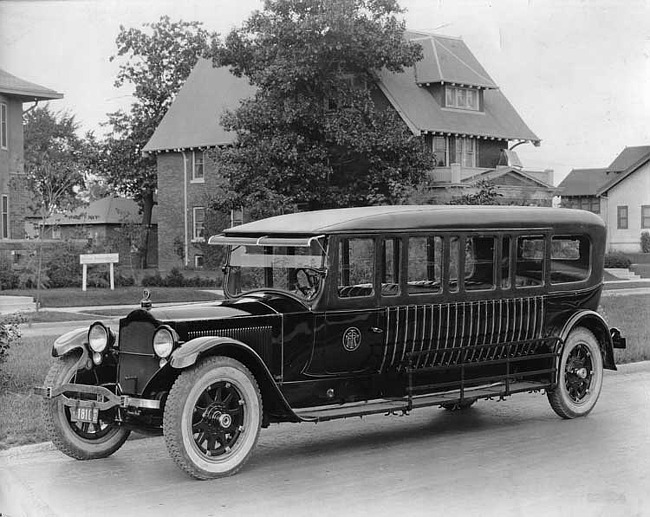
column 377, row 330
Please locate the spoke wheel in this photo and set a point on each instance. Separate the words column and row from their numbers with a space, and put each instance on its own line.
column 580, row 375
column 213, row 418
column 82, row 441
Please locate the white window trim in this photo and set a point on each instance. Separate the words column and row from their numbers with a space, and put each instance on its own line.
column 195, row 209
column 433, row 148
column 455, row 105
column 4, row 126
column 194, row 179
column 196, row 261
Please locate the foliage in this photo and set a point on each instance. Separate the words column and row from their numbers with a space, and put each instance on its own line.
column 9, row 333
column 617, row 260
column 486, row 194
column 156, row 61
column 56, row 159
column 215, row 222
column 8, row 277
column 645, row 242
column 63, row 267
column 312, row 135
column 176, row 279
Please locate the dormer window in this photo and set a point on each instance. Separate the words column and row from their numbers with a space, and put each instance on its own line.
column 462, row 98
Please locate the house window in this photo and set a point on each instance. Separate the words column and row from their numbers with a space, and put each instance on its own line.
column 621, row 217
column 198, row 261
column 645, row 216
column 198, row 223
column 440, row 149
column 5, row 217
column 466, row 151
column 56, row 232
column 461, row 98
column 198, row 170
column 3, row 126
column 590, row 203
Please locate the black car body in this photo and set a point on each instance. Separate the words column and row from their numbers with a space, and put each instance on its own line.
column 341, row 313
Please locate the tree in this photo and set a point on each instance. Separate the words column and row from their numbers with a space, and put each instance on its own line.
column 313, row 135
column 485, row 194
column 57, row 161
column 155, row 61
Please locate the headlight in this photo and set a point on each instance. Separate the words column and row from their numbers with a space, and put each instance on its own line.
column 98, row 337
column 163, row 341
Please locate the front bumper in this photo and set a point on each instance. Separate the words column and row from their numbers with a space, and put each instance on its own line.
column 104, row 398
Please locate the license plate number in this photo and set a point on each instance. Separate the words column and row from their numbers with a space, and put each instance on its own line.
column 85, row 414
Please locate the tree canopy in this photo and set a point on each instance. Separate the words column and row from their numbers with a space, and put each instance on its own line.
column 155, row 61
column 56, row 159
column 317, row 132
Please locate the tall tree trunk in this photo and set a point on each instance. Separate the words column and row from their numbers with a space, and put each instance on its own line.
column 147, row 209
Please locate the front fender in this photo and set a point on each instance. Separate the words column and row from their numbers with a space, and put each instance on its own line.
column 596, row 324
column 189, row 353
column 73, row 340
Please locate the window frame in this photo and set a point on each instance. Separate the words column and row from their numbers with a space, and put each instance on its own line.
column 4, row 125
column 457, row 97
column 645, row 218
column 4, row 212
column 461, row 152
column 562, row 236
column 195, row 236
column 620, row 218
column 444, row 162
column 194, row 177
column 339, row 276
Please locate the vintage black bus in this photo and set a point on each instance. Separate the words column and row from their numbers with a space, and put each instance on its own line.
column 350, row 312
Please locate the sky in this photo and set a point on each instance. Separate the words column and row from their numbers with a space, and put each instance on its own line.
column 577, row 71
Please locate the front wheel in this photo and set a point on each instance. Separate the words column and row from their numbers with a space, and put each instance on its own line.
column 212, row 418
column 580, row 375
column 82, row 441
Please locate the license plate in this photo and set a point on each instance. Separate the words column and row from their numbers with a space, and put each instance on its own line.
column 85, row 414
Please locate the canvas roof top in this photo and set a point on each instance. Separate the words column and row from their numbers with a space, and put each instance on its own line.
column 193, row 120
column 414, row 217
column 108, row 210
column 27, row 91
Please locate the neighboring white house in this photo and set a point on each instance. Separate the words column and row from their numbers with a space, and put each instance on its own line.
column 620, row 194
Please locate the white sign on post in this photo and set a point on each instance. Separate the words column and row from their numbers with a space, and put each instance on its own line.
column 98, row 258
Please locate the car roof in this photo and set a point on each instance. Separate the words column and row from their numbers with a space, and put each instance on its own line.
column 419, row 217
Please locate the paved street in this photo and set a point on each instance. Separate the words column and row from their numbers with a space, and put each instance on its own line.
column 499, row 458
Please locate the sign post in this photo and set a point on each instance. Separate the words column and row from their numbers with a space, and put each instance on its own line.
column 98, row 258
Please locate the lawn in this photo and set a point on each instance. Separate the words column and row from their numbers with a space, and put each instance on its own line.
column 29, row 359
column 75, row 297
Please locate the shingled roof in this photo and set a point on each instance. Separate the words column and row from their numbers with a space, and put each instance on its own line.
column 583, row 182
column 194, row 118
column 108, row 210
column 17, row 87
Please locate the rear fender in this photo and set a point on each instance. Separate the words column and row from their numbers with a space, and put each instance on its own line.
column 594, row 322
column 193, row 350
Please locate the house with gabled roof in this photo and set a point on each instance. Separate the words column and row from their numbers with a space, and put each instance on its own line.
column 14, row 92
column 448, row 99
column 619, row 193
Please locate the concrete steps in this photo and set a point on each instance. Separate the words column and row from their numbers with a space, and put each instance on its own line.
column 622, row 273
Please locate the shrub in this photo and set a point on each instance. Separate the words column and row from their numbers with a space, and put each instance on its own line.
column 617, row 260
column 153, row 281
column 63, row 269
column 175, row 278
column 645, row 242
column 9, row 333
column 8, row 278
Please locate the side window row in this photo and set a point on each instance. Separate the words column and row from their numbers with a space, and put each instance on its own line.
column 520, row 260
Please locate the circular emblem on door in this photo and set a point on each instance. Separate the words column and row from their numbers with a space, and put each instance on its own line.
column 351, row 339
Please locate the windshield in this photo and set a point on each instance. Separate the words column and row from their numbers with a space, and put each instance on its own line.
column 298, row 270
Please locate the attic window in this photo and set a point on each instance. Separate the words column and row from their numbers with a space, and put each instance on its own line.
column 461, row 98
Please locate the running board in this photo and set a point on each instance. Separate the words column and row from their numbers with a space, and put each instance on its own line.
column 388, row 406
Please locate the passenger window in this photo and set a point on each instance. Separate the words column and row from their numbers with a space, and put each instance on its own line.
column 454, row 263
column 529, row 271
column 390, row 272
column 570, row 259
column 356, row 267
column 479, row 263
column 424, row 266
column 506, row 246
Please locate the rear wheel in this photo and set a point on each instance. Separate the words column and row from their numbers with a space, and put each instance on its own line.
column 580, row 375
column 213, row 417
column 82, row 441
